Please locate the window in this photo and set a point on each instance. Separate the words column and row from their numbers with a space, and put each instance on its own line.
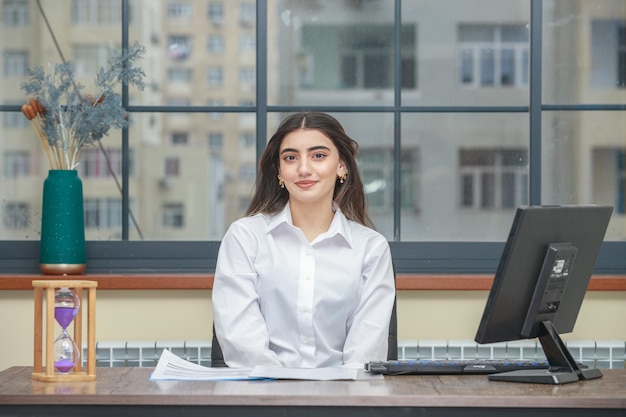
column 494, row 55
column 248, row 14
column 88, row 59
column 15, row 215
column 247, row 76
column 446, row 151
column 216, row 13
column 364, row 57
column 15, row 63
column 179, row 47
column 95, row 163
column 493, row 178
column 609, row 177
column 216, row 140
column 216, row 44
column 214, row 76
column 180, row 138
column 182, row 75
column 376, row 167
column 179, row 9
column 14, row 120
column 15, row 12
column 99, row 12
column 246, row 140
column 16, row 164
column 247, row 42
column 216, row 115
column 247, row 173
column 103, row 213
column 173, row 215
column 172, row 167
column 608, row 38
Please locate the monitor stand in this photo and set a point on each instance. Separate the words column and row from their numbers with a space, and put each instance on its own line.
column 563, row 368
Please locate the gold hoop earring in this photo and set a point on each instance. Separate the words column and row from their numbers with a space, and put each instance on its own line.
column 281, row 183
column 343, row 177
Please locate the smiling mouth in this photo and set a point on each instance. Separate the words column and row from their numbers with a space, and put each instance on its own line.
column 305, row 184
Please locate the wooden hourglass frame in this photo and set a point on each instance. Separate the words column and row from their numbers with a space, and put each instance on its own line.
column 77, row 373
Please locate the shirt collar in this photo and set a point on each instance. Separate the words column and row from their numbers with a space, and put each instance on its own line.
column 339, row 225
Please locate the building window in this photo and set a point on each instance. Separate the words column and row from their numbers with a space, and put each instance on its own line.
column 247, row 140
column 247, row 76
column 216, row 13
column 181, row 75
column 99, row 12
column 364, row 61
column 179, row 138
column 247, row 42
column 15, row 63
column 216, row 142
column 15, row 12
column 88, row 59
column 248, row 15
column 103, row 213
column 216, row 44
column 173, row 215
column 214, row 76
column 493, row 178
column 179, row 9
column 172, row 167
column 609, row 177
column 494, row 55
column 14, row 120
column 16, row 164
column 608, row 39
column 215, row 115
column 96, row 165
column 247, row 172
column 179, row 47
column 15, row 215
column 376, row 167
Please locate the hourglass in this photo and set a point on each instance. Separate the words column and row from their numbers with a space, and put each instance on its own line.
column 64, row 299
column 66, row 352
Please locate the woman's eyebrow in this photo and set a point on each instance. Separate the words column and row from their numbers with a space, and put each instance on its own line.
column 312, row 148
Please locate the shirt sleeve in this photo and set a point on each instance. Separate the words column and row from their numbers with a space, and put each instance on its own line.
column 368, row 329
column 239, row 325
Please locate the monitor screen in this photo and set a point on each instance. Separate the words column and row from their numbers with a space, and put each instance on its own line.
column 540, row 284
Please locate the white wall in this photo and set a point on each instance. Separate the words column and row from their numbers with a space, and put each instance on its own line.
column 186, row 315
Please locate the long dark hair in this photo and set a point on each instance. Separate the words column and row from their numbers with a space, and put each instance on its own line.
column 270, row 198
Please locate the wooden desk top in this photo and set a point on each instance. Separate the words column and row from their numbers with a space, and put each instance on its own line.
column 131, row 386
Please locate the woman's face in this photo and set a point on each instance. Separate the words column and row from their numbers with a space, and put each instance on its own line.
column 309, row 166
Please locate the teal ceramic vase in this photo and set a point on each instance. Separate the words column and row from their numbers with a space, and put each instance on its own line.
column 62, row 243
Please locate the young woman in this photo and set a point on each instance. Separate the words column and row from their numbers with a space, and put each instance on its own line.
column 303, row 280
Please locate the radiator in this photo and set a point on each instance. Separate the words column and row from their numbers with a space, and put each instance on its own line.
column 606, row 354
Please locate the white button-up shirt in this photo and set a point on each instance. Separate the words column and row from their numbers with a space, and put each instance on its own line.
column 280, row 300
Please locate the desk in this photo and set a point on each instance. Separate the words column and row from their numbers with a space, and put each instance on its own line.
column 128, row 392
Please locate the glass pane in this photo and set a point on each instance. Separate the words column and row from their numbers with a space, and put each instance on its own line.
column 199, row 53
column 329, row 52
column 470, row 174
column 372, row 131
column 469, row 52
column 583, row 162
column 88, row 32
column 583, row 57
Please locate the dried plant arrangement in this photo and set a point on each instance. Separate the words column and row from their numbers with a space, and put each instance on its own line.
column 67, row 121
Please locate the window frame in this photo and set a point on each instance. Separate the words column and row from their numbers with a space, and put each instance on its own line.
column 444, row 258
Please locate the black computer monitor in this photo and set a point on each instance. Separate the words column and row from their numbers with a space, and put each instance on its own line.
column 540, row 284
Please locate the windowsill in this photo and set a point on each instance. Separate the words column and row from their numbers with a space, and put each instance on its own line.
column 405, row 282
